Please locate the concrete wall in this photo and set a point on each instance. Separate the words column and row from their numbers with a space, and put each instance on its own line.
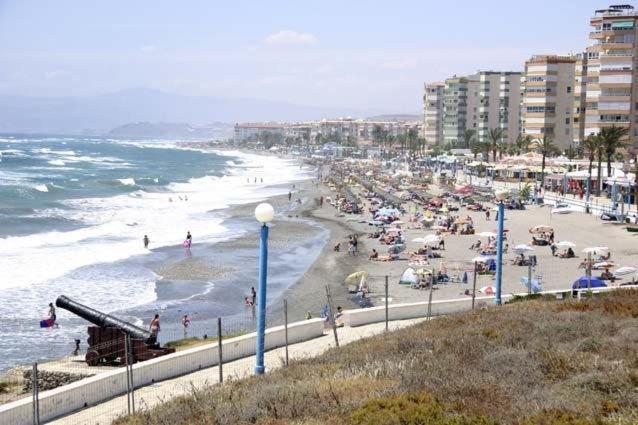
column 101, row 387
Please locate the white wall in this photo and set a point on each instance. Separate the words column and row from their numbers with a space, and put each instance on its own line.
column 101, row 387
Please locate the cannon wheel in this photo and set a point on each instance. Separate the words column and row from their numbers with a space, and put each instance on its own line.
column 92, row 357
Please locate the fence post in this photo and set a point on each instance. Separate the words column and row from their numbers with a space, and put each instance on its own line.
column 35, row 394
column 220, row 350
column 529, row 279
column 386, row 303
column 286, row 328
column 128, row 373
column 430, row 295
column 130, row 360
column 474, row 286
column 332, row 317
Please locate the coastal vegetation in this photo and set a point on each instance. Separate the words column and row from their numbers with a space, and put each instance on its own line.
column 535, row 361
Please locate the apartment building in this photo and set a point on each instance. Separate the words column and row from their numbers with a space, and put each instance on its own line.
column 499, row 98
column 433, row 113
column 460, row 108
column 257, row 131
column 548, row 99
column 611, row 74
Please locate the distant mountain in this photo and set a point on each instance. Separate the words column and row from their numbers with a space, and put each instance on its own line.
column 396, row 117
column 173, row 130
column 102, row 113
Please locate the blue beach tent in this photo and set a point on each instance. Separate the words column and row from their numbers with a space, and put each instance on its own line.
column 594, row 283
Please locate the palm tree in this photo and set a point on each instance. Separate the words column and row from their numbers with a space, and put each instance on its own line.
column 612, row 139
column 469, row 135
column 591, row 146
column 494, row 136
column 502, row 147
column 522, row 142
column 377, row 135
column 476, row 147
column 570, row 152
column 546, row 147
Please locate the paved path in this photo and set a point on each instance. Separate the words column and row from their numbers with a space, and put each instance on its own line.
column 157, row 393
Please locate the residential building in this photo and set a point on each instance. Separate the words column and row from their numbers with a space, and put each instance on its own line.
column 460, row 105
column 611, row 73
column 433, row 113
column 548, row 100
column 258, row 131
column 499, row 98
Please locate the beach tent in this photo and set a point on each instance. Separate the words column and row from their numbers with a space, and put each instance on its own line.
column 596, row 250
column 594, row 283
column 409, row 277
column 565, row 244
column 356, row 277
column 536, row 286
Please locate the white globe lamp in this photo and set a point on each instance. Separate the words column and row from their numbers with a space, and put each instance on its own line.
column 264, row 213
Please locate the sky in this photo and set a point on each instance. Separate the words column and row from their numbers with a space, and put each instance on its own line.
column 359, row 54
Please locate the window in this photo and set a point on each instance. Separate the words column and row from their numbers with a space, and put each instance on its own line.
column 569, row 89
column 566, row 120
column 567, row 132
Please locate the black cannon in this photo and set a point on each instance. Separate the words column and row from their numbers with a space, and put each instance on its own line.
column 107, row 340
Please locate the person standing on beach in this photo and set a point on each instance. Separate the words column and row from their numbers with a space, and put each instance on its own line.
column 146, row 241
column 186, row 323
column 253, row 295
column 154, row 327
column 189, row 238
column 289, row 195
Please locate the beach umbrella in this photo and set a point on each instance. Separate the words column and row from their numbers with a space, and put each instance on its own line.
column 603, row 265
column 423, row 272
column 565, row 244
column 431, row 239
column 594, row 282
column 523, row 248
column 398, row 222
column 487, row 290
column 418, row 240
column 356, row 277
column 483, row 259
column 624, row 271
column 444, row 210
column 376, row 223
column 487, row 234
column 541, row 228
column 596, row 250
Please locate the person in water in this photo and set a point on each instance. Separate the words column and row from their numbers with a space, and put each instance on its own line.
column 189, row 237
column 186, row 323
column 146, row 241
column 253, row 295
column 52, row 316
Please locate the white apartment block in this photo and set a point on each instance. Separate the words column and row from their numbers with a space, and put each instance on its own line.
column 499, row 99
column 611, row 71
column 433, row 113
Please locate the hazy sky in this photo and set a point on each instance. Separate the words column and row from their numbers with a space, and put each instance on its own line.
column 373, row 54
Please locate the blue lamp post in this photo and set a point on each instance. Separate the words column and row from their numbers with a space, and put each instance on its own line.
column 500, row 197
column 264, row 213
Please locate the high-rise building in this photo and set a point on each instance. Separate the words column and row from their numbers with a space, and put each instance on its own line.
column 499, row 97
column 611, row 74
column 460, row 108
column 433, row 113
column 549, row 98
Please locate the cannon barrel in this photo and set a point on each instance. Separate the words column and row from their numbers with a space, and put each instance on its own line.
column 101, row 319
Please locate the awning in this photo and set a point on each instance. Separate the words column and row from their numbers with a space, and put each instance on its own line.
column 622, row 25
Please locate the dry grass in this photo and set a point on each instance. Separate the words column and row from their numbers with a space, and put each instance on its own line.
column 533, row 362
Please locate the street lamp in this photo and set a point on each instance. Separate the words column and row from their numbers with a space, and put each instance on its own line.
column 500, row 197
column 264, row 214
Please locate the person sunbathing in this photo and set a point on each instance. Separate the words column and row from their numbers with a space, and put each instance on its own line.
column 374, row 255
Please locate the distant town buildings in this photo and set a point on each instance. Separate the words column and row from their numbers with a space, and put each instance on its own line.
column 344, row 131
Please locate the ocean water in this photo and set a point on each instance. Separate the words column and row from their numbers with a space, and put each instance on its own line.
column 73, row 212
